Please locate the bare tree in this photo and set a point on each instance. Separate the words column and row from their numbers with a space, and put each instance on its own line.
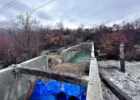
column 24, row 35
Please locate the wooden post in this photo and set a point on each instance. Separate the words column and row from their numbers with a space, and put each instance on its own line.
column 122, row 60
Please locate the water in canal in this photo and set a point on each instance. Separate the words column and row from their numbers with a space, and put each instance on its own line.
column 82, row 56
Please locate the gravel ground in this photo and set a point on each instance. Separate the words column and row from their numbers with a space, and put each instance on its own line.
column 129, row 82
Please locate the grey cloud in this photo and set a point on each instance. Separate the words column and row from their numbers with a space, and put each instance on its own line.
column 88, row 12
column 98, row 11
column 14, row 10
column 21, row 7
column 4, row 24
column 43, row 15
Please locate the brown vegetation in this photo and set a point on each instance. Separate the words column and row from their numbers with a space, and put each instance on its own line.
column 27, row 39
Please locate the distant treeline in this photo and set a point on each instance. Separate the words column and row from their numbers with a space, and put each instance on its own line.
column 27, row 39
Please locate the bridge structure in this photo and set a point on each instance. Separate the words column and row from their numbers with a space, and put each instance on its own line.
column 15, row 79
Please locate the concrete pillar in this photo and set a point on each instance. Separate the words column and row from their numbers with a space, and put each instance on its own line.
column 122, row 59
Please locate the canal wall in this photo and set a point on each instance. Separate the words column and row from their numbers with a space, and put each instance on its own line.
column 12, row 88
column 71, row 51
column 94, row 89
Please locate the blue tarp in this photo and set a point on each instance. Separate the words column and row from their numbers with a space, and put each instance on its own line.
column 54, row 90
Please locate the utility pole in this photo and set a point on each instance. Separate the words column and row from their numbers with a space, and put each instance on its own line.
column 122, row 58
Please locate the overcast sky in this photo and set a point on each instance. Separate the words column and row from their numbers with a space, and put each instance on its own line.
column 73, row 13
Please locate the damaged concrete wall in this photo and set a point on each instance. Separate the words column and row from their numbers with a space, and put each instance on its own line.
column 40, row 62
column 71, row 51
column 12, row 88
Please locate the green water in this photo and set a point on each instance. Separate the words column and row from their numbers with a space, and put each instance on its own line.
column 82, row 56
